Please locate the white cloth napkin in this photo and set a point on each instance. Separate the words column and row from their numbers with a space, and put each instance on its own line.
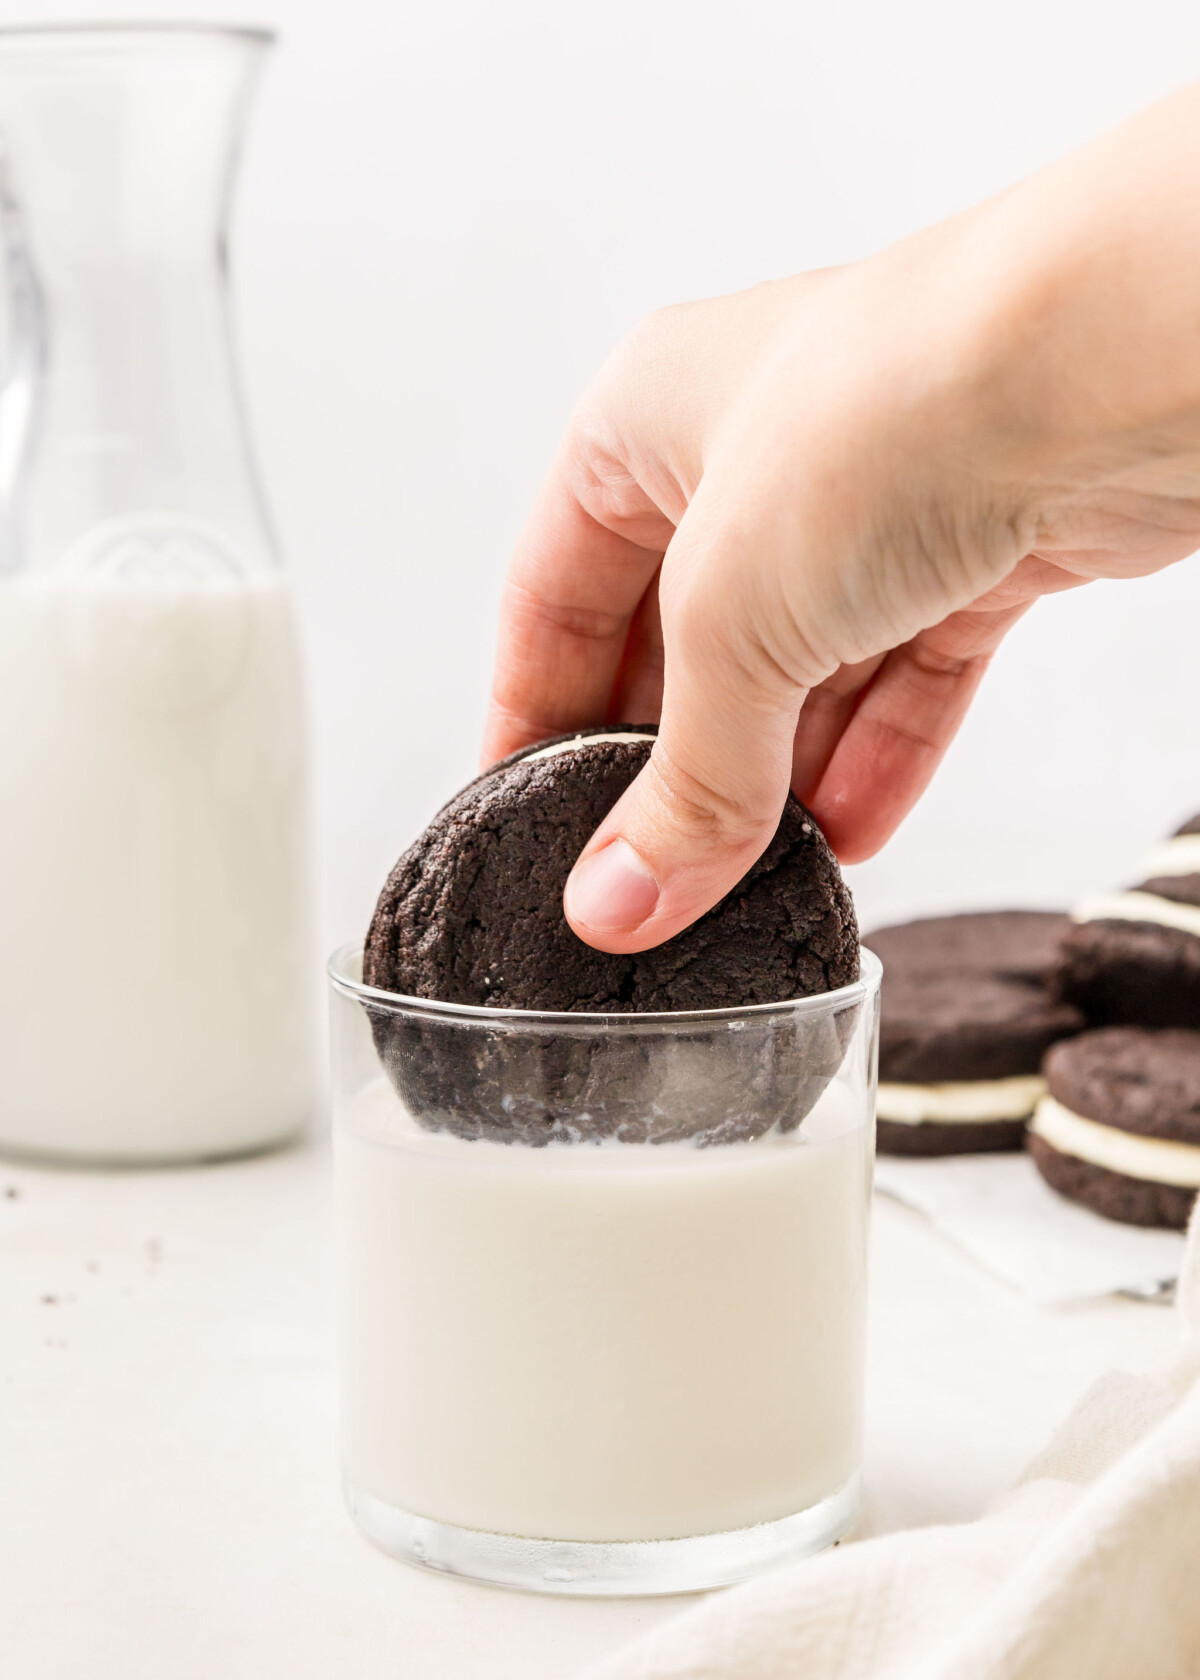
column 1086, row 1571
column 1001, row 1212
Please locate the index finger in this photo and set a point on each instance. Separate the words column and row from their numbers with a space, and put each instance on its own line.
column 584, row 561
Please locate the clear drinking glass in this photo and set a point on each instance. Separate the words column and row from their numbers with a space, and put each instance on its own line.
column 603, row 1283
column 155, row 980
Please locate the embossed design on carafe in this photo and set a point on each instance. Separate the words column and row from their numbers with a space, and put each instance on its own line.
column 159, row 612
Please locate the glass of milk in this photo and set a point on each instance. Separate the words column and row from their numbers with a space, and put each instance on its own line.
column 603, row 1284
column 155, row 979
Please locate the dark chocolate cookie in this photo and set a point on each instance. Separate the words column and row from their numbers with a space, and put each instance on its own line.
column 961, row 1137
column 1133, row 966
column 1137, row 972
column 1014, row 944
column 1134, row 1078
column 1137, row 1080
column 1176, row 889
column 963, row 999
column 1133, row 1201
column 937, row 1027
column 472, row 914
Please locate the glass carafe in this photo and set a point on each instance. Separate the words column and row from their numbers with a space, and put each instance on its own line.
column 155, row 992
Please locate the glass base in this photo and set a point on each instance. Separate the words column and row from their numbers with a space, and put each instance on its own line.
column 604, row 1569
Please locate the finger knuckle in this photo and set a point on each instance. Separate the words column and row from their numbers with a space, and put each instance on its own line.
column 710, row 622
column 528, row 607
column 659, row 326
column 932, row 662
column 650, row 350
column 699, row 805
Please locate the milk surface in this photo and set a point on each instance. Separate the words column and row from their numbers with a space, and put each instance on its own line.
column 601, row 1342
column 154, row 973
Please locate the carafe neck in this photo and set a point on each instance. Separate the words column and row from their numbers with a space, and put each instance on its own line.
column 119, row 400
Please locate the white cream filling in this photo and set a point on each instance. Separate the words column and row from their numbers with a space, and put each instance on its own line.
column 1158, row 1160
column 1139, row 907
column 583, row 741
column 965, row 1101
column 1180, row 856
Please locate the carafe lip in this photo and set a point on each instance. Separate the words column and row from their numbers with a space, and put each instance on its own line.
column 258, row 34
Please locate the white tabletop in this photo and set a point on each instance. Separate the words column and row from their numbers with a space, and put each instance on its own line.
column 168, row 1455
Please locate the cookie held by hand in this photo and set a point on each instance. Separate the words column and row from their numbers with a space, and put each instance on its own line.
column 472, row 915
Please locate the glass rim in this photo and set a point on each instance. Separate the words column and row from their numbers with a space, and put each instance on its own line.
column 343, row 982
column 80, row 29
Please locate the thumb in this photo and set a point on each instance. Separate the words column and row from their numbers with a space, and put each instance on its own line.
column 708, row 803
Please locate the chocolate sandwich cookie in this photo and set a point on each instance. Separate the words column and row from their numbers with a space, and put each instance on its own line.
column 959, row 1060
column 1134, row 956
column 1013, row 944
column 472, row 914
column 1119, row 1127
column 1179, row 854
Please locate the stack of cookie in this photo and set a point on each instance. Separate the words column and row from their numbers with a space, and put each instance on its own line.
column 1119, row 1127
column 1134, row 956
column 967, row 1018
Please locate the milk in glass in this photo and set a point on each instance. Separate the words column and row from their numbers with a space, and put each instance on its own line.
column 606, row 1342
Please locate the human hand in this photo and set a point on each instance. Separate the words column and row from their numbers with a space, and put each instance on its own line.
column 795, row 524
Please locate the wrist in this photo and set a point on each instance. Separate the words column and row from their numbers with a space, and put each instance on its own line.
column 1079, row 341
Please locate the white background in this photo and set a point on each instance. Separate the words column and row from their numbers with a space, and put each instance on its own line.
column 451, row 209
